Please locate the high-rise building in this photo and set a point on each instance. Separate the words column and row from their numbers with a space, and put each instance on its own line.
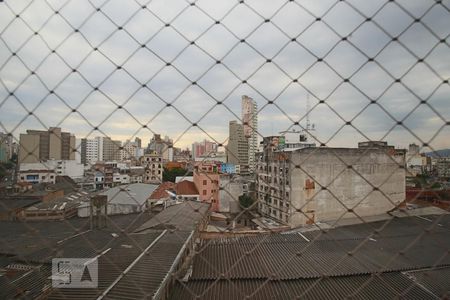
column 153, row 166
column 203, row 148
column 163, row 147
column 296, row 196
column 237, row 149
column 6, row 147
column 100, row 149
column 40, row 145
column 128, row 150
column 250, row 123
column 111, row 149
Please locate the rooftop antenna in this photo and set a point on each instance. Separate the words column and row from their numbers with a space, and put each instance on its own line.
column 308, row 107
column 309, row 127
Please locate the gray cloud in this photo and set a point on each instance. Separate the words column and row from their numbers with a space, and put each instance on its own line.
column 238, row 61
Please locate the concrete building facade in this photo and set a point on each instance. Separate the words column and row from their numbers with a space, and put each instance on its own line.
column 37, row 176
column 250, row 123
column 162, row 146
column 237, row 149
column 6, row 147
column 70, row 168
column 40, row 145
column 311, row 185
column 207, row 184
column 204, row 148
column 153, row 166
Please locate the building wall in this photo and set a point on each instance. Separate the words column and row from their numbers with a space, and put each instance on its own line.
column 443, row 167
column 51, row 144
column 153, row 168
column 208, row 187
column 6, row 147
column 111, row 149
column 60, row 167
column 29, row 148
column 250, row 123
column 237, row 149
column 37, row 176
column 231, row 188
column 283, row 188
column 55, row 146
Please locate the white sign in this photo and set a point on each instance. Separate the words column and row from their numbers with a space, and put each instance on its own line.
column 74, row 273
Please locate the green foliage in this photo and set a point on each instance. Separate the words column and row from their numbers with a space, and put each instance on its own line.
column 245, row 201
column 171, row 175
column 436, row 185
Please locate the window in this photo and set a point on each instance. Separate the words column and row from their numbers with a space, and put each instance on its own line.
column 204, row 182
column 204, row 192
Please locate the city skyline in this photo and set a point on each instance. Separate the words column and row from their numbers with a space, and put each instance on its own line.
column 190, row 91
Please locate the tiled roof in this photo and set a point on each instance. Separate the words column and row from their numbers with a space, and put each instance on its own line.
column 186, row 187
column 160, row 191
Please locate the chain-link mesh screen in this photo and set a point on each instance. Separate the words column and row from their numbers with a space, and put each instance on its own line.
column 304, row 134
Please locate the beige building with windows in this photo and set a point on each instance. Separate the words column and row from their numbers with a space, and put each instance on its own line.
column 250, row 123
column 40, row 145
column 305, row 186
column 237, row 149
column 153, row 168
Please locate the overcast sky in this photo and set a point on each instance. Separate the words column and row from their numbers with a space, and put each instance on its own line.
column 117, row 68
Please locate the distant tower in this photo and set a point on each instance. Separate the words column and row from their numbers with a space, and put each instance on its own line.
column 250, row 122
column 309, row 126
column 237, row 149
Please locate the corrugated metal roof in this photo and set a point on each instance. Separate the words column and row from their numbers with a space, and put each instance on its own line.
column 9, row 205
column 384, row 286
column 24, row 238
column 110, row 265
column 134, row 194
column 183, row 216
column 435, row 280
column 143, row 280
column 290, row 256
column 387, row 228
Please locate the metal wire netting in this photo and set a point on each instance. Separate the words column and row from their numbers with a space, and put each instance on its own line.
column 120, row 70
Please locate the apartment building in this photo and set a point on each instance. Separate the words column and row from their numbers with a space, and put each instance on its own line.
column 250, row 128
column 153, row 166
column 40, row 145
column 237, row 149
column 308, row 185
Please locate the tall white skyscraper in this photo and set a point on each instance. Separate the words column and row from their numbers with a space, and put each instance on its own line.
column 250, row 122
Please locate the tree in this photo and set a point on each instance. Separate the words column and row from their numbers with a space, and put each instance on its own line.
column 171, row 175
column 245, row 201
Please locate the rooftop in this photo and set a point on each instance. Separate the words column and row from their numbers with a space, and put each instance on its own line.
column 134, row 194
column 186, row 187
column 372, row 260
column 9, row 205
column 183, row 216
column 160, row 191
